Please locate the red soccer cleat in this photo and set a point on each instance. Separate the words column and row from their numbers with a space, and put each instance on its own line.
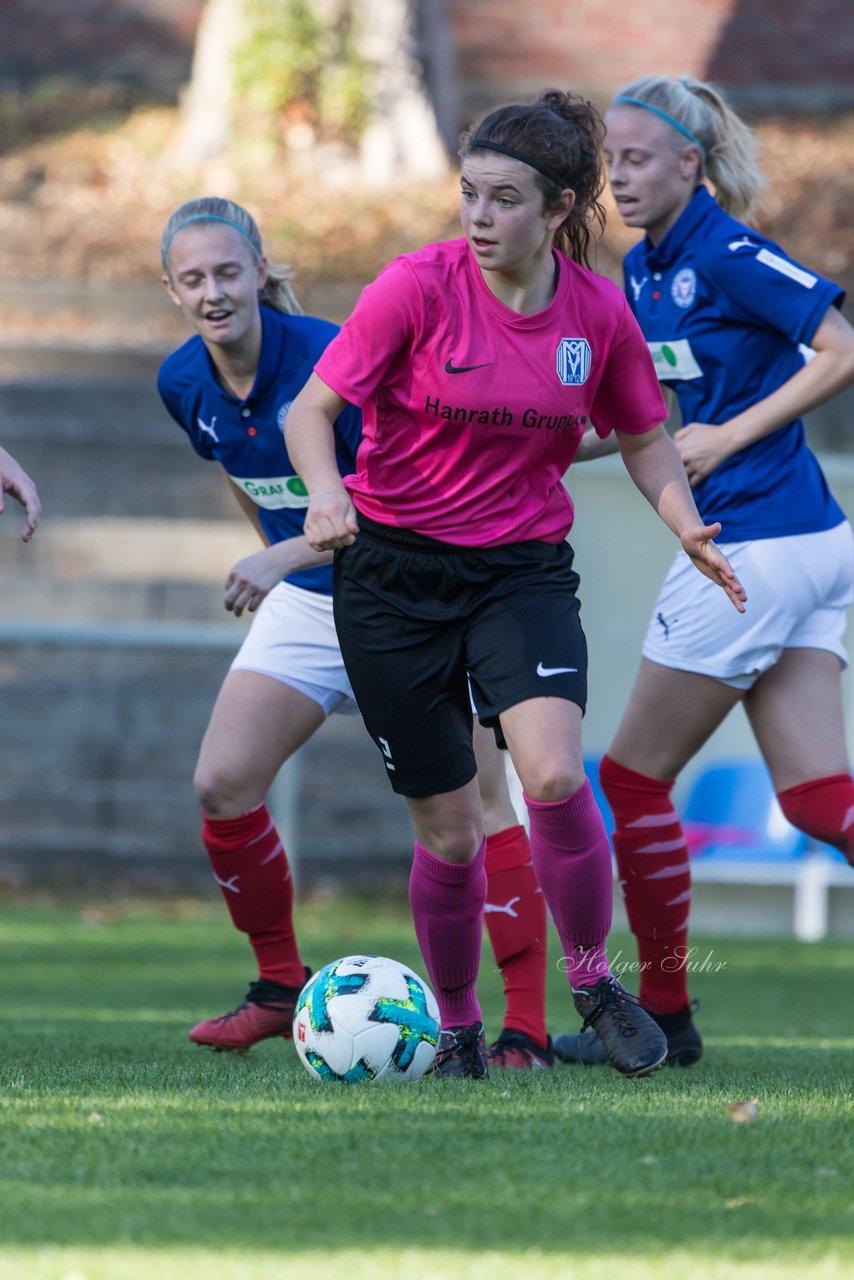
column 514, row 1051
column 267, row 1011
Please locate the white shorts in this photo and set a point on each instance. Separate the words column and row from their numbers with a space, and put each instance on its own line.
column 798, row 591
column 293, row 639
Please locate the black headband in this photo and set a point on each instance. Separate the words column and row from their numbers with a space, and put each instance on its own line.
column 517, row 155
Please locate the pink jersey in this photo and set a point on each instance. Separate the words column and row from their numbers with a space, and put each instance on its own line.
column 473, row 413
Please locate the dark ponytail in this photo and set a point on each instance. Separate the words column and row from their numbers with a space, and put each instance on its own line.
column 562, row 134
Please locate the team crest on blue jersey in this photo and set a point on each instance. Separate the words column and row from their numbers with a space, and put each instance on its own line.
column 684, row 288
column 573, row 361
column 282, row 414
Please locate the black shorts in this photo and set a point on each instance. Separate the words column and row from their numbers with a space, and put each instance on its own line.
column 416, row 617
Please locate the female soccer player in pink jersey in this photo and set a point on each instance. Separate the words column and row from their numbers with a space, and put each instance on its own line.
column 478, row 364
column 229, row 388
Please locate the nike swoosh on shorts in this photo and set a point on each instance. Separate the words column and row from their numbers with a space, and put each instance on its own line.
column 554, row 671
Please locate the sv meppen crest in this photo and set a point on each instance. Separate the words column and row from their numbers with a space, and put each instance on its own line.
column 573, row 361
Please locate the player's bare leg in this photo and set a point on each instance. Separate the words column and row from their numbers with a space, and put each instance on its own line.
column 257, row 723
column 670, row 715
column 795, row 711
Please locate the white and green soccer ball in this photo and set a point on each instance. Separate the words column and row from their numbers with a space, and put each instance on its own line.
column 366, row 1018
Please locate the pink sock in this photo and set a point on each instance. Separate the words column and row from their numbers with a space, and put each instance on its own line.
column 447, row 907
column 572, row 862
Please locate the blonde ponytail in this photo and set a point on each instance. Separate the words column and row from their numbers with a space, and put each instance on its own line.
column 728, row 148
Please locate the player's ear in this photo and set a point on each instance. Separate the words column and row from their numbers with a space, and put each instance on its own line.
column 562, row 209
column 167, row 285
column 690, row 161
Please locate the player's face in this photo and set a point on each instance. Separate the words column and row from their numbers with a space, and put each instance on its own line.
column 503, row 219
column 652, row 176
column 214, row 277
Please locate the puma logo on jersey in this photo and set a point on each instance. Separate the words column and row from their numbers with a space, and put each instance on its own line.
column 637, row 285
column 744, row 243
column 208, row 430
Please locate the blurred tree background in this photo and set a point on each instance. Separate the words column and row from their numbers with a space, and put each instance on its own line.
column 335, row 121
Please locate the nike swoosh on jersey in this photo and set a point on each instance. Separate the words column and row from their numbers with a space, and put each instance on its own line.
column 553, row 671
column 464, row 368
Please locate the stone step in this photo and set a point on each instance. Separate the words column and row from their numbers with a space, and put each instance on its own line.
column 129, row 550
column 109, row 449
column 43, row 597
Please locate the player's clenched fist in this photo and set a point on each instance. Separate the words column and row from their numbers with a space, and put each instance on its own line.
column 330, row 521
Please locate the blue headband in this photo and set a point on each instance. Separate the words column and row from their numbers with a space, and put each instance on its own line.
column 204, row 217
column 662, row 115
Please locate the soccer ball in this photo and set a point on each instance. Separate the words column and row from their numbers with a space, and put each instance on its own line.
column 366, row 1018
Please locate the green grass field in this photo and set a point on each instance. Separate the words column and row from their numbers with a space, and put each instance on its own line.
column 127, row 1153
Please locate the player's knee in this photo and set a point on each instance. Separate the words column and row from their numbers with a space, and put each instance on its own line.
column 222, row 796
column 552, row 780
column 824, row 810
column 625, row 789
column 457, row 842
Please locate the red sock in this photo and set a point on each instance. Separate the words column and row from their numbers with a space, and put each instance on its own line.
column 250, row 867
column 824, row 809
column 515, row 918
column 655, row 879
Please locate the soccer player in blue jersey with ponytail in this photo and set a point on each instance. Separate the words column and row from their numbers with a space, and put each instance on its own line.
column 230, row 387
column 749, row 340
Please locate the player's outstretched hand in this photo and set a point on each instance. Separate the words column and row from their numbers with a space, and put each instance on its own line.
column 699, row 545
column 330, row 521
column 15, row 481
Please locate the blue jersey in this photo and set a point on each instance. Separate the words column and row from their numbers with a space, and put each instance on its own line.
column 246, row 436
column 724, row 310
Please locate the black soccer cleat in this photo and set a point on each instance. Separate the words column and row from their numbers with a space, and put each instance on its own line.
column 580, row 1048
column 634, row 1043
column 461, row 1053
column 684, row 1042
